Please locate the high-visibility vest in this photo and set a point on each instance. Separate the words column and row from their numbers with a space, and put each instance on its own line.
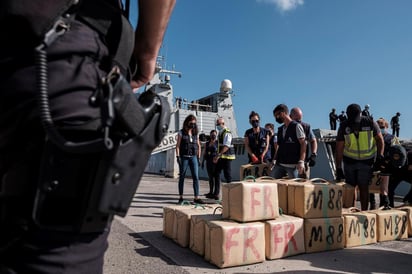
column 362, row 147
column 229, row 154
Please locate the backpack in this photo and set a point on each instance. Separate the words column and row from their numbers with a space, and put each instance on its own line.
column 397, row 155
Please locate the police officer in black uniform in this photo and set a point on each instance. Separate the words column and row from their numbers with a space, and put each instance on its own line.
column 68, row 117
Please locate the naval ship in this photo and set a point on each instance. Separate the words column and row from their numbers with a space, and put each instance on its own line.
column 207, row 109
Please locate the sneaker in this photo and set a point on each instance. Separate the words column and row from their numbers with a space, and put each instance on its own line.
column 386, row 207
column 180, row 201
column 209, row 196
column 198, row 201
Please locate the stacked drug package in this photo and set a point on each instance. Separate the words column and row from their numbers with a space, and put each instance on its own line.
column 319, row 203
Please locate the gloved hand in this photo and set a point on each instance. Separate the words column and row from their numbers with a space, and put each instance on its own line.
column 339, row 174
column 379, row 163
column 254, row 159
column 203, row 164
column 198, row 161
column 179, row 161
column 312, row 160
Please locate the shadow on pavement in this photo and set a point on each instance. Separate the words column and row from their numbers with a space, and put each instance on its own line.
column 355, row 260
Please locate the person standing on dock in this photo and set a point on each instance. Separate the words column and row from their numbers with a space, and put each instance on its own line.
column 291, row 152
column 225, row 155
column 188, row 154
column 272, row 141
column 256, row 140
column 311, row 142
column 358, row 143
column 209, row 152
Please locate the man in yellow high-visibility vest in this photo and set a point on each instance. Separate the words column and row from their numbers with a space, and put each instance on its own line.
column 225, row 156
column 359, row 145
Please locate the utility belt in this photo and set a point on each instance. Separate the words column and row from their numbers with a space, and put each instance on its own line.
column 85, row 179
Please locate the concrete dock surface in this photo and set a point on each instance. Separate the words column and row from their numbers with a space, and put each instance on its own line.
column 136, row 244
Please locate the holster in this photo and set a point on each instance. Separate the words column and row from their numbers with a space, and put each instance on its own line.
column 81, row 191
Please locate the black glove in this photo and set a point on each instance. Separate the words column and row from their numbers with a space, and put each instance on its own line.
column 179, row 161
column 339, row 174
column 203, row 164
column 379, row 163
column 198, row 161
column 312, row 160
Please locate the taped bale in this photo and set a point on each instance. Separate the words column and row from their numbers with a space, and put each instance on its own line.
column 392, row 224
column 324, row 234
column 181, row 232
column 315, row 200
column 348, row 195
column 197, row 231
column 360, row 228
column 246, row 202
column 169, row 218
column 228, row 243
column 408, row 210
column 284, row 237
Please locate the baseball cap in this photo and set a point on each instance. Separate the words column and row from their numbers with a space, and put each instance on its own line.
column 353, row 111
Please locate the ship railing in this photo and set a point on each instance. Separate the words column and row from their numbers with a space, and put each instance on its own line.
column 184, row 104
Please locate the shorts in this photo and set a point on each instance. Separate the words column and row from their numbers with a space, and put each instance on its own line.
column 357, row 173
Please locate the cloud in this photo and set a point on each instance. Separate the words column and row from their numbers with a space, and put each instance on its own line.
column 284, row 5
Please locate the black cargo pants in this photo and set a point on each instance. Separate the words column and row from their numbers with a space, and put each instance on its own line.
column 76, row 62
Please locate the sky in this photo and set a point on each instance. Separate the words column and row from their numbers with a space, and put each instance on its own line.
column 314, row 54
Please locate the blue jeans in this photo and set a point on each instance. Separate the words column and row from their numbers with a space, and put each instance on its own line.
column 281, row 171
column 193, row 164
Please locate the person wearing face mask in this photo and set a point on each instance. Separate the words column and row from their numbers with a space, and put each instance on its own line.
column 256, row 140
column 209, row 152
column 359, row 146
column 188, row 155
column 290, row 155
column 384, row 167
column 311, row 142
column 273, row 139
column 225, row 156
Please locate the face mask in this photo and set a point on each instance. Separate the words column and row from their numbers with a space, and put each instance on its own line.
column 383, row 131
column 213, row 137
column 219, row 127
column 192, row 125
column 255, row 124
column 279, row 120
